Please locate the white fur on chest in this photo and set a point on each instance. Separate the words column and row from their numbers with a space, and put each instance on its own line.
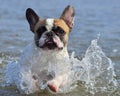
column 38, row 59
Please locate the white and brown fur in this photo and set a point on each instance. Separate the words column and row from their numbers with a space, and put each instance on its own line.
column 50, row 46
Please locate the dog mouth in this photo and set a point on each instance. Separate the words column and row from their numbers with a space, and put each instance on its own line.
column 52, row 44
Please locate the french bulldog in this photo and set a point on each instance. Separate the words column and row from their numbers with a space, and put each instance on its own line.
column 49, row 47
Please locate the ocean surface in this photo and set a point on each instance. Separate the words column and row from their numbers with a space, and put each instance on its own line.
column 95, row 19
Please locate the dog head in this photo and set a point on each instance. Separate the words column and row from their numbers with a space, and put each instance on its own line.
column 49, row 33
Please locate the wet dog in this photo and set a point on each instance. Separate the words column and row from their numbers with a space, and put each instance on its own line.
column 49, row 47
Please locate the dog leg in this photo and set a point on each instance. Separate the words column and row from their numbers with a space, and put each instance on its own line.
column 58, row 82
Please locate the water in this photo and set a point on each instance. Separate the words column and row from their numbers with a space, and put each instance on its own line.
column 92, row 18
column 97, row 70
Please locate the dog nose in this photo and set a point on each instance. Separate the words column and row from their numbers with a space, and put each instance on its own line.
column 50, row 34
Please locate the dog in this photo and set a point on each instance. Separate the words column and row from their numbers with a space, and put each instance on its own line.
column 49, row 47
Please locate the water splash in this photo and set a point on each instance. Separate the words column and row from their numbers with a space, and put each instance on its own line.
column 95, row 69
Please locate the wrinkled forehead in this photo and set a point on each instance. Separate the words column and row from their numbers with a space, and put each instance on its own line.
column 49, row 23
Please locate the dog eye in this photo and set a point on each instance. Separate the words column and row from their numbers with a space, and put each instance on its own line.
column 58, row 31
column 42, row 29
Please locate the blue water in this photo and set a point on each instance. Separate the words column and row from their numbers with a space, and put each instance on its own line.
column 92, row 18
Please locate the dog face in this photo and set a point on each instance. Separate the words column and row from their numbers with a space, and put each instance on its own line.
column 49, row 33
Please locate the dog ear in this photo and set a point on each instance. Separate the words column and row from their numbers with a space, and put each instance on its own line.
column 32, row 18
column 68, row 16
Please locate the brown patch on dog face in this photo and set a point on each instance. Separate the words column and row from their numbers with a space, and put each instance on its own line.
column 61, row 23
